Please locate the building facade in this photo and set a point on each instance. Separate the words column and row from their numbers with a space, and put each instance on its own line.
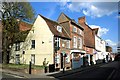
column 100, row 47
column 89, row 41
column 44, row 40
column 76, row 33
column 64, row 44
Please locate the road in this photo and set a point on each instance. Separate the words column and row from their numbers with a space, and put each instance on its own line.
column 7, row 76
column 110, row 71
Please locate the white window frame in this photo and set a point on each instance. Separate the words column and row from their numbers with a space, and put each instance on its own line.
column 67, row 58
column 58, row 41
column 80, row 31
column 67, row 44
column 59, row 28
column 57, row 58
column 17, row 46
column 74, row 29
column 80, row 43
column 74, row 42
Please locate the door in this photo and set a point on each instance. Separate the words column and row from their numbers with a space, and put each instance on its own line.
column 61, row 60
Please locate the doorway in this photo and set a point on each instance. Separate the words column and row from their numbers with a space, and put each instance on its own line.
column 61, row 60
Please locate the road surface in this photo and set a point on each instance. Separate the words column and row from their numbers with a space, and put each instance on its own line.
column 110, row 71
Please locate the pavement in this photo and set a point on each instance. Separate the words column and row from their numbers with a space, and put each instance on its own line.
column 47, row 75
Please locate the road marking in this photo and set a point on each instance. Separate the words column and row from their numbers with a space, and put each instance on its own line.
column 14, row 75
column 111, row 75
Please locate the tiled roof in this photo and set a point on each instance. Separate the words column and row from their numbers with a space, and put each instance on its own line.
column 89, row 38
column 95, row 30
column 24, row 26
column 72, row 21
column 53, row 27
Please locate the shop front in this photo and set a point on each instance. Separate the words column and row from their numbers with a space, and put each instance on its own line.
column 77, row 58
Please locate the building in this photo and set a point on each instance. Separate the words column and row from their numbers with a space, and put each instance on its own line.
column 46, row 39
column 89, row 41
column 100, row 47
column 76, row 33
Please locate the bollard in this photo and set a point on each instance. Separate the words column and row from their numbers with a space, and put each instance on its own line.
column 30, row 67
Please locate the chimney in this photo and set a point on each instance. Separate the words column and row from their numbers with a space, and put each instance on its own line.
column 81, row 20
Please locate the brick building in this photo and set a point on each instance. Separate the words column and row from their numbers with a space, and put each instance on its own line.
column 76, row 33
column 89, row 40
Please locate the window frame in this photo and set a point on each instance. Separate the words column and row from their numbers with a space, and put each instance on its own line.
column 67, row 44
column 17, row 46
column 74, row 29
column 32, row 44
column 59, row 28
column 74, row 42
column 80, row 43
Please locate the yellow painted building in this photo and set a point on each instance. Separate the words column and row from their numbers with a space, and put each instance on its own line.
column 39, row 43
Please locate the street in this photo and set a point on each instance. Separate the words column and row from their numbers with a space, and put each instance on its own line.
column 6, row 76
column 108, row 71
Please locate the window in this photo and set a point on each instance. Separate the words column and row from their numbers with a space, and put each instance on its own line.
column 68, row 44
column 57, row 43
column 33, row 44
column 68, row 58
column 74, row 42
column 74, row 29
column 80, row 32
column 57, row 58
column 80, row 43
column 33, row 58
column 17, row 59
column 59, row 28
column 17, row 46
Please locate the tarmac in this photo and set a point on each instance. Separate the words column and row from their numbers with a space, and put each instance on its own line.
column 47, row 75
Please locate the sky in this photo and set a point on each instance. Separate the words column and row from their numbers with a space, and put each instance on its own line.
column 102, row 15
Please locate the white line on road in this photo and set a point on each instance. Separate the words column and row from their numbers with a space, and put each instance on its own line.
column 111, row 75
column 14, row 75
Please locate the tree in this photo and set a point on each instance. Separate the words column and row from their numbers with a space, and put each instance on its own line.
column 12, row 14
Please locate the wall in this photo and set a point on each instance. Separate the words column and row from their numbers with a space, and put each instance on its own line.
column 43, row 37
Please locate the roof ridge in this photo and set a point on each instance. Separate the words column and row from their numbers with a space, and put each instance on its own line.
column 66, row 16
column 48, row 18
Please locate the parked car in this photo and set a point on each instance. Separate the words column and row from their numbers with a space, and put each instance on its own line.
column 117, row 57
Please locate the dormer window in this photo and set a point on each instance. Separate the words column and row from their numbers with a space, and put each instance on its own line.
column 59, row 28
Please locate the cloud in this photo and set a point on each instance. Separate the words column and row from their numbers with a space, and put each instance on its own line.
column 93, row 9
column 111, row 43
column 118, row 17
column 101, row 31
